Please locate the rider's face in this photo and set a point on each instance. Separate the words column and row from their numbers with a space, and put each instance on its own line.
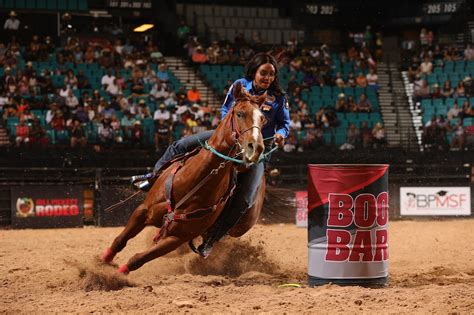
column 264, row 76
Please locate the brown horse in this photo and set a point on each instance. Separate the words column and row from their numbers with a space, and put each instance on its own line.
column 239, row 133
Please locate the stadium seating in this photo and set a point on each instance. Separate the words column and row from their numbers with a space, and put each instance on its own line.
column 94, row 74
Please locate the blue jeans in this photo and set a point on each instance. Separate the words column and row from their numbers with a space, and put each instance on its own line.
column 247, row 182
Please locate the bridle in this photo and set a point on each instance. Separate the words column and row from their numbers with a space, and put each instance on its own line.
column 236, row 133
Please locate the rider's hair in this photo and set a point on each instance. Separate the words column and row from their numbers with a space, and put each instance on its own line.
column 258, row 60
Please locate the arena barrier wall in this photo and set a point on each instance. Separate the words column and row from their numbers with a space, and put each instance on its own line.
column 104, row 187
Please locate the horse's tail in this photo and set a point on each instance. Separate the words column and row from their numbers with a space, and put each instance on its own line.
column 279, row 206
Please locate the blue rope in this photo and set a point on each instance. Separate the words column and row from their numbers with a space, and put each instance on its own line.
column 206, row 146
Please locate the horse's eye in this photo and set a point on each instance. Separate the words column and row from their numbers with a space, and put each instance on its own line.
column 240, row 114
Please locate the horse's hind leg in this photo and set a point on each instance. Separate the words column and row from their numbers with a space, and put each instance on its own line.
column 136, row 223
column 163, row 247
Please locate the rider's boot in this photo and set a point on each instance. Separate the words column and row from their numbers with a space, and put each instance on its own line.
column 213, row 236
column 144, row 182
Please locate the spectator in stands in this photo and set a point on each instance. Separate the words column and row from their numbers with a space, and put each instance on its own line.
column 162, row 73
column 116, row 127
column 372, row 79
column 206, row 121
column 468, row 87
column 107, row 79
column 194, row 96
column 426, row 67
column 353, row 138
column 58, row 123
column 467, row 110
column 436, row 91
column 149, row 76
column 81, row 114
column 364, row 105
column 423, row 37
column 127, row 123
column 460, row 90
column 361, row 81
column 351, row 81
column 105, row 110
column 78, row 135
column 341, row 104
column 136, row 135
column 199, row 55
column 12, row 24
column 447, row 90
column 113, row 88
column 421, row 90
column 183, row 31
column 314, row 136
column 71, row 101
column 351, row 104
column 432, row 134
column 105, row 132
column 457, row 142
column 22, row 133
column 159, row 92
column 137, row 86
column 339, row 81
column 45, row 83
column 162, row 134
column 38, row 134
column 454, row 111
column 70, row 81
column 155, row 54
column 468, row 53
column 290, row 143
column 366, row 135
column 378, row 134
column 161, row 113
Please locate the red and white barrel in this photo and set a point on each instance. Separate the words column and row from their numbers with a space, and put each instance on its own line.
column 347, row 224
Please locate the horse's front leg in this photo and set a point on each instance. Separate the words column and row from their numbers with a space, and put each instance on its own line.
column 141, row 217
column 164, row 246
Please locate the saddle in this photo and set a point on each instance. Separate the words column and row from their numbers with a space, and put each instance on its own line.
column 174, row 214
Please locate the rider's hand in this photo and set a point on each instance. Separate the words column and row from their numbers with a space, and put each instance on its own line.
column 279, row 140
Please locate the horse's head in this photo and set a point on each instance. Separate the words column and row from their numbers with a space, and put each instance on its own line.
column 246, row 122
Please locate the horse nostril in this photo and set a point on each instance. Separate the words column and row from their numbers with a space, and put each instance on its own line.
column 250, row 146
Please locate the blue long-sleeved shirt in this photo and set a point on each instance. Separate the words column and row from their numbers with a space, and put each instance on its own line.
column 275, row 109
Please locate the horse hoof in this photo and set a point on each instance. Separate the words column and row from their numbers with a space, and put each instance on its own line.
column 124, row 269
column 108, row 256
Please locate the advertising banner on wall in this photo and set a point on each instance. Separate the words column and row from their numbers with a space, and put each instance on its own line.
column 301, row 200
column 47, row 206
column 422, row 201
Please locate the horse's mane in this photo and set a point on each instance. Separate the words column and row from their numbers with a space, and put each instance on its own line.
column 247, row 97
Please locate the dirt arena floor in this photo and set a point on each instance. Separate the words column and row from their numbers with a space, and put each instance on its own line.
column 43, row 271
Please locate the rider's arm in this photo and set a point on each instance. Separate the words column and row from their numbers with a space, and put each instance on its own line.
column 283, row 118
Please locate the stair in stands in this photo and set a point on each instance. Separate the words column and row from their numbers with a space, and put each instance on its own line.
column 394, row 107
column 189, row 78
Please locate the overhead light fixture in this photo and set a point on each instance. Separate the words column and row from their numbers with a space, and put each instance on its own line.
column 143, row 28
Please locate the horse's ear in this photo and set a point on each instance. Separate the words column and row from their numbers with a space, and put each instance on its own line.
column 237, row 91
column 261, row 99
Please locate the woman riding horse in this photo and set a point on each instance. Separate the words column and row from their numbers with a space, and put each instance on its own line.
column 261, row 77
